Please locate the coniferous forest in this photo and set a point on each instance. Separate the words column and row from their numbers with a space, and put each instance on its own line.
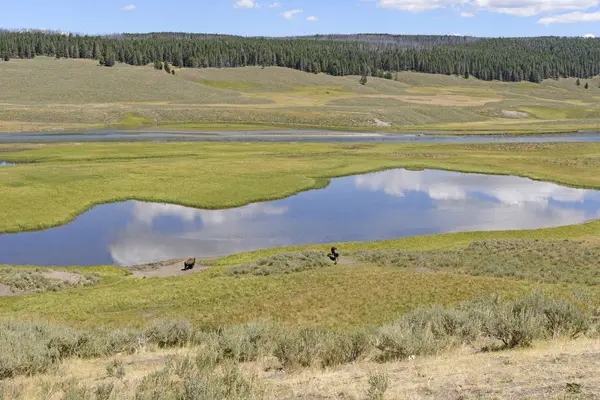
column 505, row 59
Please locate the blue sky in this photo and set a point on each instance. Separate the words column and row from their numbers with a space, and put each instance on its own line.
column 298, row 17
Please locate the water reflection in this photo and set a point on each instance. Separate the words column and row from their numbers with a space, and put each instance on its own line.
column 383, row 205
column 5, row 163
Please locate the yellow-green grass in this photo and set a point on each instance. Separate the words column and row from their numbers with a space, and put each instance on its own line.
column 66, row 179
column 339, row 296
column 36, row 97
column 232, row 85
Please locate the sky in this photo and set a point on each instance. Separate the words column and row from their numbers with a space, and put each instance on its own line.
column 489, row 18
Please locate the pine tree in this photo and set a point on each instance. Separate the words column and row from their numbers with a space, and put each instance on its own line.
column 363, row 80
column 466, row 74
column 6, row 57
column 577, row 82
column 158, row 65
column 587, row 85
column 167, row 68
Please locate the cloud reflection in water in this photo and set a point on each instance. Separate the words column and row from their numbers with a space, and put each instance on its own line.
column 383, row 205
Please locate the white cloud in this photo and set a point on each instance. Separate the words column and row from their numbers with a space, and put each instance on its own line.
column 274, row 5
column 312, row 18
column 570, row 18
column 467, row 14
column 513, row 7
column 527, row 8
column 291, row 13
column 417, row 5
column 246, row 4
column 507, row 190
column 589, row 36
column 129, row 7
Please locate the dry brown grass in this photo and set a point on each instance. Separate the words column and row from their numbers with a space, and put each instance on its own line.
column 541, row 372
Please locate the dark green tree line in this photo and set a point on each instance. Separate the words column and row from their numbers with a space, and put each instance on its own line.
column 505, row 59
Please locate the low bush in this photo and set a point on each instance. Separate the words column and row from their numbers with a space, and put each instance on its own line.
column 284, row 263
column 26, row 280
column 378, row 385
column 540, row 260
column 28, row 348
column 170, row 333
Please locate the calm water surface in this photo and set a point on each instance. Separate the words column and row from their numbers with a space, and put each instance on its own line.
column 383, row 205
column 285, row 136
column 5, row 163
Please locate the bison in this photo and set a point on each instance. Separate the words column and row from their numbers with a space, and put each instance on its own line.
column 189, row 264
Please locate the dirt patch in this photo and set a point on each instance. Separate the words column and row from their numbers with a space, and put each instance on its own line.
column 165, row 269
column 346, row 261
column 381, row 123
column 66, row 277
column 6, row 291
column 514, row 114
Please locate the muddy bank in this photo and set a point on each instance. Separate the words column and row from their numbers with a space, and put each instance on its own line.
column 165, row 269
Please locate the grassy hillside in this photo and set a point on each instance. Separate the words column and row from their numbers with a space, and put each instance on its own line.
column 46, row 94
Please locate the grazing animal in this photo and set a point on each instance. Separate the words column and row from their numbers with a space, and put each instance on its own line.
column 334, row 255
column 189, row 264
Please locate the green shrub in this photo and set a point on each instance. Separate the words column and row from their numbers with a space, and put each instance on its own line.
column 170, row 333
column 26, row 280
column 425, row 331
column 565, row 318
column 105, row 342
column 378, row 385
column 299, row 348
column 540, row 260
column 28, row 349
column 243, row 343
column 283, row 263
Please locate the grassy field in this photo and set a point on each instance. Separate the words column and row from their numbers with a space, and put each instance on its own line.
column 37, row 97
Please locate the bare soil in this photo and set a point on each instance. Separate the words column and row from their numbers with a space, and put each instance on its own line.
column 6, row 291
column 165, row 269
column 67, row 277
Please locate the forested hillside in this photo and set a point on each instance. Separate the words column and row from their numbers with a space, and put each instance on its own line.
column 505, row 59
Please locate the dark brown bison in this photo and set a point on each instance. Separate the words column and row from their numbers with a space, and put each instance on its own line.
column 334, row 255
column 189, row 264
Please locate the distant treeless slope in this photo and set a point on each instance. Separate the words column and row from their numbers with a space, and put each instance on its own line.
column 48, row 94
